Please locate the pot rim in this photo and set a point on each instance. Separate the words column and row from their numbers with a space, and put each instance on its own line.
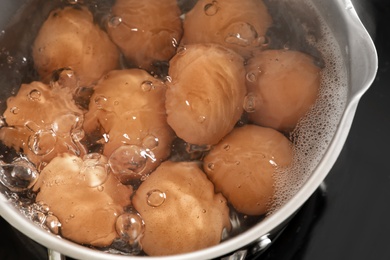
column 359, row 39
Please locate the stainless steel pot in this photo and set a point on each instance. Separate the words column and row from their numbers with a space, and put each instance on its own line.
column 360, row 61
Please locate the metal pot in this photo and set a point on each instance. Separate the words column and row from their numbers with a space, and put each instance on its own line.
column 360, row 63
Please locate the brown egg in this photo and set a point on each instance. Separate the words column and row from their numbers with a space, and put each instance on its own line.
column 180, row 210
column 85, row 198
column 127, row 107
column 69, row 38
column 239, row 25
column 205, row 97
column 242, row 166
column 43, row 121
column 147, row 32
column 282, row 86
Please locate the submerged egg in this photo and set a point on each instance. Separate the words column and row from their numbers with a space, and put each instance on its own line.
column 242, row 166
column 238, row 25
column 283, row 85
column 147, row 33
column 47, row 122
column 180, row 210
column 132, row 120
column 69, row 38
column 87, row 214
column 205, row 95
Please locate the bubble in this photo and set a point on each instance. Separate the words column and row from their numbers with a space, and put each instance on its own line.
column 128, row 159
column 64, row 78
column 64, row 124
column 155, row 198
column 114, row 21
column 175, row 42
column 242, row 34
column 53, row 224
column 211, row 166
column 19, row 176
column 34, row 95
column 251, row 76
column 250, row 103
column 130, row 227
column 201, row 119
column 14, row 110
column 42, row 142
column 150, row 142
column 32, row 126
column 101, row 101
column 93, row 170
column 181, row 50
column 147, row 86
column 10, row 59
column 211, row 9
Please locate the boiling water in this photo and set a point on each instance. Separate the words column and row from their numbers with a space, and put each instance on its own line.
column 297, row 26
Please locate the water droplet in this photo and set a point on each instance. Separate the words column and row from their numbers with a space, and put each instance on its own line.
column 114, row 21
column 34, row 95
column 42, row 142
column 19, row 176
column 128, row 160
column 211, row 166
column 147, row 86
column 150, row 142
column 250, row 103
column 94, row 171
column 130, row 227
column 14, row 110
column 251, row 76
column 211, row 9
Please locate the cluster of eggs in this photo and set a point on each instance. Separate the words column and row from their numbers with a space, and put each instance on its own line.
column 220, row 70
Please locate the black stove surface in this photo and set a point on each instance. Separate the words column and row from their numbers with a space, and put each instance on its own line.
column 351, row 220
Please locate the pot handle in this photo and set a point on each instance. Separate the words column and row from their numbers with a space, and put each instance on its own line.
column 54, row 255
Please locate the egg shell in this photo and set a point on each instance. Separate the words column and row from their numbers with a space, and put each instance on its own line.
column 244, row 164
column 145, row 31
column 238, row 25
column 205, row 95
column 191, row 217
column 70, row 38
column 43, row 121
column 284, row 85
column 87, row 214
column 127, row 107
